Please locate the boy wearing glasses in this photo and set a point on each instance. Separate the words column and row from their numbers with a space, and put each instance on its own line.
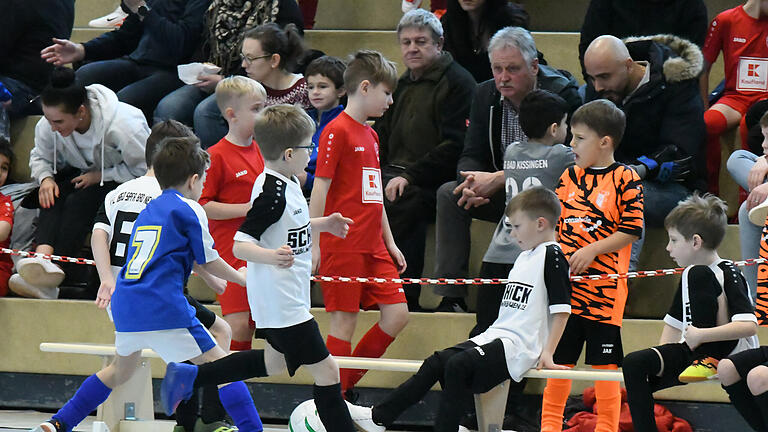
column 236, row 161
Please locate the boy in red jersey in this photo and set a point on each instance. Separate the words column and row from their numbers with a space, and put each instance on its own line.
column 741, row 34
column 348, row 180
column 236, row 161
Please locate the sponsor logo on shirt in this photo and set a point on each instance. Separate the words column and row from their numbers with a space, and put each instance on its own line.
column 753, row 74
column 241, row 173
column 372, row 193
column 586, row 223
column 300, row 239
column 739, row 40
column 516, row 295
column 526, row 164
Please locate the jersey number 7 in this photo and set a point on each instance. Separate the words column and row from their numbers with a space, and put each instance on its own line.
column 145, row 241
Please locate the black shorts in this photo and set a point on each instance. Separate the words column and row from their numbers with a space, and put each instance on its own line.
column 301, row 344
column 603, row 342
column 749, row 359
column 202, row 313
column 676, row 357
column 489, row 363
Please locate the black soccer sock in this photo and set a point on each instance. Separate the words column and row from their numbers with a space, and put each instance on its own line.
column 762, row 404
column 745, row 404
column 637, row 367
column 186, row 412
column 331, row 408
column 212, row 409
column 237, row 366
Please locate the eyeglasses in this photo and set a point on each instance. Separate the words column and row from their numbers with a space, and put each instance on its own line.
column 248, row 59
column 309, row 148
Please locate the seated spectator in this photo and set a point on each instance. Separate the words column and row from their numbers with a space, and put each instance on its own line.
column 654, row 81
column 741, row 34
column 469, row 26
column 6, row 216
column 268, row 54
column 87, row 143
column 25, row 29
column 421, row 136
column 479, row 192
column 227, row 23
column 325, row 85
column 138, row 60
column 622, row 18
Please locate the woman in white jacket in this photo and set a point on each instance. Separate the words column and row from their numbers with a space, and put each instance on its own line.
column 87, row 143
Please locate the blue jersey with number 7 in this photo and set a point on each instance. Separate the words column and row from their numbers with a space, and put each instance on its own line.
column 168, row 237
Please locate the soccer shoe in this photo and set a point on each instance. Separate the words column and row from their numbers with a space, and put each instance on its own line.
column 217, row 426
column 758, row 213
column 409, row 5
column 23, row 288
column 362, row 417
column 700, row 370
column 51, row 425
column 111, row 20
column 177, row 385
column 452, row 304
column 40, row 272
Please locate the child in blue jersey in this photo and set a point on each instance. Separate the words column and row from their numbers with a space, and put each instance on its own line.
column 170, row 236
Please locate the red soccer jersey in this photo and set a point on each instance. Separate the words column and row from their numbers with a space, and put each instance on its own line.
column 6, row 265
column 348, row 154
column 229, row 180
column 744, row 42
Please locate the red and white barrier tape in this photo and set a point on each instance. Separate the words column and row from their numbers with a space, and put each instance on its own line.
column 421, row 281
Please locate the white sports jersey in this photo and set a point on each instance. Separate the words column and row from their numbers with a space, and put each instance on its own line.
column 279, row 216
column 727, row 279
column 539, row 285
column 121, row 208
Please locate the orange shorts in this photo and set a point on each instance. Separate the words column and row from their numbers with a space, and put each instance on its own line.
column 353, row 296
column 741, row 101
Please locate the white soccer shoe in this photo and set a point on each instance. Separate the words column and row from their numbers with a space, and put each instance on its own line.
column 409, row 5
column 111, row 20
column 362, row 417
column 40, row 272
column 758, row 213
column 23, row 288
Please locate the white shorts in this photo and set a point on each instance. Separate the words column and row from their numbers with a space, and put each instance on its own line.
column 173, row 345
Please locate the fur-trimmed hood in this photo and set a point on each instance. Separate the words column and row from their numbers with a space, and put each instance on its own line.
column 685, row 61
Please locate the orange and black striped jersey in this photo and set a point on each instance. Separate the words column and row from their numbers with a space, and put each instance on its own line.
column 595, row 204
column 761, row 298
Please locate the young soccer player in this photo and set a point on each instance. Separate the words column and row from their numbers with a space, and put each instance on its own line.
column 348, row 180
column 148, row 306
column 602, row 215
column 236, row 161
column 711, row 316
column 109, row 243
column 6, row 217
column 325, row 84
column 532, row 315
column 276, row 240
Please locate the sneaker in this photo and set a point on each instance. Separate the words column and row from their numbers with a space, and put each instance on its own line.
column 409, row 5
column 112, row 20
column 700, row 370
column 452, row 304
column 40, row 272
column 759, row 213
column 362, row 417
column 51, row 425
column 217, row 426
column 177, row 385
column 351, row 395
column 23, row 288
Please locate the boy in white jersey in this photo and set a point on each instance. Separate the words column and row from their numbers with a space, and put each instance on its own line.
column 276, row 241
column 533, row 312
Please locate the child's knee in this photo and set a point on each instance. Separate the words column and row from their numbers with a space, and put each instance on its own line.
column 727, row 372
column 222, row 332
column 757, row 380
column 326, row 372
column 647, row 361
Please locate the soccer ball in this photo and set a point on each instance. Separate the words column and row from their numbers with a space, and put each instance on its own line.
column 305, row 419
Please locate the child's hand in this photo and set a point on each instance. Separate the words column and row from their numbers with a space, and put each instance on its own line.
column 338, row 225
column 216, row 284
column 315, row 258
column 546, row 362
column 283, row 257
column 398, row 258
column 693, row 337
column 581, row 260
column 106, row 289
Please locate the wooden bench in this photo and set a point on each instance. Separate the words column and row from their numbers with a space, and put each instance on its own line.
column 135, row 396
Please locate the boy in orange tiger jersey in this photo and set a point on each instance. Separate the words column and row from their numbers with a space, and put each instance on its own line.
column 602, row 215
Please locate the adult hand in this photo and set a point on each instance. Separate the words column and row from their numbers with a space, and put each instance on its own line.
column 48, row 192
column 757, row 173
column 483, row 183
column 581, row 259
column 757, row 196
column 395, row 188
column 84, row 180
column 470, row 199
column 338, row 225
column 208, row 82
column 106, row 289
column 63, row 52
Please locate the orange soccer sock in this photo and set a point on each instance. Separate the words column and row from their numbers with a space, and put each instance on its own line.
column 608, row 396
column 716, row 124
column 553, row 404
column 340, row 347
column 373, row 344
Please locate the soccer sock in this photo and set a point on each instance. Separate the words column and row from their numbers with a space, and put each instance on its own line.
column 745, row 404
column 331, row 408
column 762, row 403
column 373, row 344
column 234, row 367
column 212, row 410
column 608, row 395
column 238, row 402
column 88, row 397
column 342, row 348
column 637, row 367
column 716, row 124
column 186, row 412
column 236, row 345
column 553, row 404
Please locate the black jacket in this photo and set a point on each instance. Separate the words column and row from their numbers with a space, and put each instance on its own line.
column 482, row 146
column 26, row 27
column 668, row 109
column 168, row 36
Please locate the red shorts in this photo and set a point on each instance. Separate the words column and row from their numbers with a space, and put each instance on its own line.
column 353, row 296
column 235, row 298
column 741, row 101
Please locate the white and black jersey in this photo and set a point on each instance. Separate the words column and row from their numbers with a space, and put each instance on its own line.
column 539, row 285
column 120, row 209
column 725, row 278
column 279, row 216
